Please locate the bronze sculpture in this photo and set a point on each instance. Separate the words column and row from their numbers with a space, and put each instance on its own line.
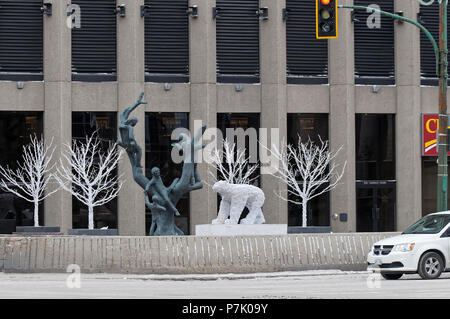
column 161, row 200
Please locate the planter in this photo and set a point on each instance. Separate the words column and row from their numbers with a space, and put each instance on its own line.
column 93, row 232
column 7, row 226
column 38, row 230
column 309, row 230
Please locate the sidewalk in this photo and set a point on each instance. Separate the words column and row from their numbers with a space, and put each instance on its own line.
column 185, row 277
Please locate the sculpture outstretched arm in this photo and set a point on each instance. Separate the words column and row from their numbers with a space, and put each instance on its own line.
column 126, row 113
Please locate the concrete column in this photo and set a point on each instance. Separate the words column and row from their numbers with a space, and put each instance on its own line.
column 202, row 44
column 408, row 132
column 130, row 77
column 58, row 113
column 342, row 119
column 273, row 100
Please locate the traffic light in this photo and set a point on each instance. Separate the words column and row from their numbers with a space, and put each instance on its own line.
column 326, row 19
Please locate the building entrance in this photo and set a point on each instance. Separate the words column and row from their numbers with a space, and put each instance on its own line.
column 375, row 206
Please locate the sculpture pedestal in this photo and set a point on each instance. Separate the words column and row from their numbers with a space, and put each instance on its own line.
column 236, row 230
column 93, row 232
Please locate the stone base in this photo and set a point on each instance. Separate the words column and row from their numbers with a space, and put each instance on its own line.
column 93, row 232
column 236, row 230
column 7, row 226
column 40, row 229
column 309, row 230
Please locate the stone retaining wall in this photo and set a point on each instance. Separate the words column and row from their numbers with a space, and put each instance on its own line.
column 187, row 254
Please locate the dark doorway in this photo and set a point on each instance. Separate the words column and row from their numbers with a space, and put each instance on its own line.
column 375, row 173
column 375, row 206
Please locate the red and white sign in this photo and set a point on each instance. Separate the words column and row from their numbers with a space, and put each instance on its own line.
column 430, row 126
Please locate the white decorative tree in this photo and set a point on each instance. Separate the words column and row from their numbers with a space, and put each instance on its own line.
column 88, row 173
column 308, row 169
column 30, row 180
column 232, row 166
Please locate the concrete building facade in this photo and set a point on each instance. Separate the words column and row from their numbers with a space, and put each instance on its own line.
column 58, row 96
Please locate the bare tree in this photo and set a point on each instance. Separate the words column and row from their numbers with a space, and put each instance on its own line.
column 30, row 180
column 308, row 169
column 233, row 166
column 88, row 173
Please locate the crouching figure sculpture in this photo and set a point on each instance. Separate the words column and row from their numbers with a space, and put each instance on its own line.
column 235, row 197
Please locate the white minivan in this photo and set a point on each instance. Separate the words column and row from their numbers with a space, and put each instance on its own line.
column 423, row 248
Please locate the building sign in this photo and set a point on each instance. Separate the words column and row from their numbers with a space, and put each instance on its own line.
column 430, row 125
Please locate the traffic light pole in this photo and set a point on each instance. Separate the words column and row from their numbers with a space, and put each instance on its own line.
column 441, row 54
column 443, row 117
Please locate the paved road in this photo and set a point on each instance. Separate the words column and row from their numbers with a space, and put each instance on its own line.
column 325, row 284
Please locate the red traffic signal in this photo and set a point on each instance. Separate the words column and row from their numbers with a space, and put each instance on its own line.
column 326, row 19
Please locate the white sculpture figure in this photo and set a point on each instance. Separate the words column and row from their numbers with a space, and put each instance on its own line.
column 235, row 197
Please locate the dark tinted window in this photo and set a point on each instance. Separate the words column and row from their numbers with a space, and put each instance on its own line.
column 375, row 147
column 310, row 126
column 158, row 133
column 21, row 40
column 167, row 41
column 85, row 124
column 94, row 55
column 374, row 48
column 237, row 37
column 307, row 57
column 431, row 224
column 15, row 131
column 429, row 17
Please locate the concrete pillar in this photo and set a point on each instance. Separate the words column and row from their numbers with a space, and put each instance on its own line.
column 408, row 132
column 58, row 113
column 273, row 100
column 130, row 77
column 342, row 119
column 202, row 46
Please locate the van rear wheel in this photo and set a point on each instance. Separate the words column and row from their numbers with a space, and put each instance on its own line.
column 391, row 276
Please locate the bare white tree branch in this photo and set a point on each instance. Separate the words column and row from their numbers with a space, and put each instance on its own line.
column 88, row 173
column 308, row 169
column 30, row 180
column 232, row 165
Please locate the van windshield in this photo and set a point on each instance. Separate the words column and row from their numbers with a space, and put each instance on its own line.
column 431, row 224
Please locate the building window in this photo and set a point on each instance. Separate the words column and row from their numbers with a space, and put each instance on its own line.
column 375, row 173
column 167, row 41
column 314, row 127
column 375, row 147
column 21, row 40
column 230, row 124
column 158, row 148
column 15, row 131
column 237, row 41
column 94, row 45
column 105, row 125
column 429, row 17
column 307, row 57
column 374, row 47
column 429, row 185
